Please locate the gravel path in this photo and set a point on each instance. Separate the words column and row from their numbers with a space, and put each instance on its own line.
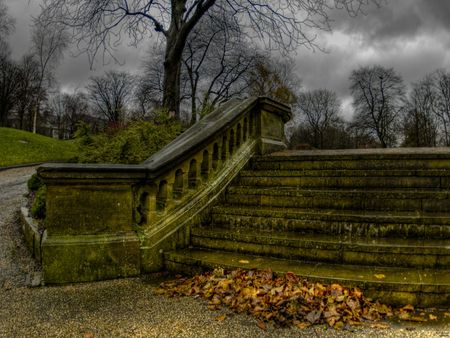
column 126, row 307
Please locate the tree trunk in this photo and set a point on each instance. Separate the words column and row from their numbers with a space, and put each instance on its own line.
column 176, row 37
column 175, row 41
column 171, row 85
column 35, row 114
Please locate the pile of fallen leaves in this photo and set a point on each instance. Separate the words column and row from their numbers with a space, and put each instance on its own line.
column 282, row 299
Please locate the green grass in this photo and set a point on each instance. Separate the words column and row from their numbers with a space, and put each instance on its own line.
column 22, row 147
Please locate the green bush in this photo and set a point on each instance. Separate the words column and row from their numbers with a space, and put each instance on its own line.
column 34, row 183
column 132, row 144
column 38, row 207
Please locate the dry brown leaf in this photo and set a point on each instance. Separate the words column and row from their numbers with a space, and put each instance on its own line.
column 407, row 308
column 417, row 319
column 379, row 326
column 404, row 316
column 432, row 317
column 261, row 325
column 221, row 318
column 301, row 325
column 314, row 316
column 88, row 335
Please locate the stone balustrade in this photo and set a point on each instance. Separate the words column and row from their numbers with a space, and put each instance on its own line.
column 108, row 221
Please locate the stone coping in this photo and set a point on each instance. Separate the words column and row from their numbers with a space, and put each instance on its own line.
column 391, row 152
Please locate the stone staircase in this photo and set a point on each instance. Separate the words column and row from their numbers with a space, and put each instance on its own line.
column 375, row 219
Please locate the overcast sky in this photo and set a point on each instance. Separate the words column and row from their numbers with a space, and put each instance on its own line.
column 412, row 36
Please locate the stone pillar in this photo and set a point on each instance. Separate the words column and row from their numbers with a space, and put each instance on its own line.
column 89, row 231
column 270, row 122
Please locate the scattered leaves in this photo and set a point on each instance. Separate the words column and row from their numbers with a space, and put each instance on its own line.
column 281, row 299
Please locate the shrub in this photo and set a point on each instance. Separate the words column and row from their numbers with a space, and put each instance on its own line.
column 38, row 207
column 34, row 183
column 132, row 144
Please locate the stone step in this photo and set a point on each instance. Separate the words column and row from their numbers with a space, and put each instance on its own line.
column 433, row 179
column 327, row 248
column 340, row 199
column 337, row 222
column 415, row 159
column 399, row 286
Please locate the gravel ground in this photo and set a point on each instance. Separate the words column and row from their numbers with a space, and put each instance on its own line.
column 125, row 307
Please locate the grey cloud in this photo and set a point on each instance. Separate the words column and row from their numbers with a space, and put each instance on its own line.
column 395, row 20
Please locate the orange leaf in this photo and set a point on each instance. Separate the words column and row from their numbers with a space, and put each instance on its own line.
column 261, row 325
column 301, row 325
column 407, row 308
column 221, row 318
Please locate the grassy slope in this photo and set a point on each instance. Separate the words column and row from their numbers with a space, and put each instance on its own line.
column 21, row 147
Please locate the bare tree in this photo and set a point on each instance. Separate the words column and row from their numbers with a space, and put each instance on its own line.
column 49, row 41
column 9, row 74
column 275, row 78
column 55, row 104
column 319, row 111
column 378, row 98
column 443, row 103
column 149, row 89
column 27, row 91
column 6, row 21
column 99, row 25
column 67, row 111
column 217, row 61
column 419, row 124
column 110, row 94
column 76, row 109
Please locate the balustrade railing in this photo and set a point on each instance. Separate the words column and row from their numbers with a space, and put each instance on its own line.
column 106, row 221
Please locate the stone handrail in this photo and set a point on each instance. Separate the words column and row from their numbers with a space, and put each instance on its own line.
column 107, row 221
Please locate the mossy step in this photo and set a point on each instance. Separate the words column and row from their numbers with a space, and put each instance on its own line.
column 350, row 199
column 356, row 223
column 317, row 164
column 327, row 248
column 427, row 158
column 275, row 178
column 346, row 173
column 400, row 286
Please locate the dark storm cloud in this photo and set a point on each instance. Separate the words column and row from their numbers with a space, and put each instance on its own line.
column 412, row 36
column 396, row 19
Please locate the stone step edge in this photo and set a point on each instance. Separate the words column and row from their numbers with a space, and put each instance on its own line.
column 359, row 154
column 413, row 193
column 332, row 215
column 327, row 242
column 360, row 173
column 382, row 278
